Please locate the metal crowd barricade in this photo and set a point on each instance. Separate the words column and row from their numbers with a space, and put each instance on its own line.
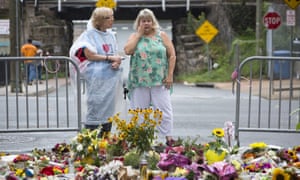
column 267, row 101
column 52, row 106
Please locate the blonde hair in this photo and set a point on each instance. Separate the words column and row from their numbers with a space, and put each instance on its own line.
column 99, row 15
column 146, row 14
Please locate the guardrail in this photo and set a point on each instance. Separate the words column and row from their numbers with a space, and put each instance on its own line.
column 141, row 3
column 269, row 94
column 53, row 105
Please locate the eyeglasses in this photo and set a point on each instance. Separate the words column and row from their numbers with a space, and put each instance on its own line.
column 109, row 17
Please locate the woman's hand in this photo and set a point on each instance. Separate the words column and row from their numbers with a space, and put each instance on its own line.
column 140, row 30
column 168, row 82
column 115, row 65
column 115, row 61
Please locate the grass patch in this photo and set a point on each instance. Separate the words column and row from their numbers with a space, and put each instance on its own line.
column 227, row 61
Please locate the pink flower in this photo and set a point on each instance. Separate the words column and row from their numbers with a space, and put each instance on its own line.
column 149, row 70
column 143, row 55
column 168, row 161
column 223, row 170
column 158, row 61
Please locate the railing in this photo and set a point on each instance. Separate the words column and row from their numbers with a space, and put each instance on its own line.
column 53, row 105
column 259, row 108
column 141, row 3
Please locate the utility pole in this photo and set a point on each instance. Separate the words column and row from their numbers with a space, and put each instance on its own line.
column 258, row 26
column 14, row 31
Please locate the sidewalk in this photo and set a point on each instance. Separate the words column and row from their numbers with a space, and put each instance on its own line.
column 265, row 87
column 51, row 84
column 34, row 89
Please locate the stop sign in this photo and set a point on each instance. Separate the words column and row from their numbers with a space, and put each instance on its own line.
column 272, row 20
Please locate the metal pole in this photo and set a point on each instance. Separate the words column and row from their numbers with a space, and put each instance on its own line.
column 187, row 5
column 59, row 6
column 258, row 25
column 163, row 4
column 17, row 29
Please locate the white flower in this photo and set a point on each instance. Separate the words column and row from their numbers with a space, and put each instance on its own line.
column 229, row 128
column 215, row 65
column 79, row 147
column 109, row 169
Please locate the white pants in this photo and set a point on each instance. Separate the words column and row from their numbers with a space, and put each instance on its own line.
column 159, row 98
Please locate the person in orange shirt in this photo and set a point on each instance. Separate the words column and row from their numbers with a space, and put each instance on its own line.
column 29, row 50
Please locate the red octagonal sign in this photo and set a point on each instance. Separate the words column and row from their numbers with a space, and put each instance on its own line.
column 272, row 20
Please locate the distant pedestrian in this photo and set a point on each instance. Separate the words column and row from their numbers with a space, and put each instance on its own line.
column 39, row 64
column 29, row 50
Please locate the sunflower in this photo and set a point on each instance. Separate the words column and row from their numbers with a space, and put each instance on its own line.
column 219, row 132
column 258, row 145
column 293, row 155
column 279, row 174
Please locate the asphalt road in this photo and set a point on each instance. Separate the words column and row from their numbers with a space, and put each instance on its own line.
column 197, row 111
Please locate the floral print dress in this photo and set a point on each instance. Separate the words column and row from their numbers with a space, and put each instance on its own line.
column 148, row 64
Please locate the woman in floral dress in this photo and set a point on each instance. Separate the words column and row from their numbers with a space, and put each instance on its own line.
column 152, row 64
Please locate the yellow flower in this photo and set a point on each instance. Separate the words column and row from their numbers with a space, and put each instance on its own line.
column 66, row 171
column 94, row 143
column 80, row 138
column 164, row 175
column 279, row 173
column 106, row 3
column 138, row 133
column 219, row 132
column 88, row 160
column 90, row 149
column 180, row 172
column 110, row 119
column 20, row 172
column 103, row 144
column 258, row 145
column 293, row 154
column 236, row 164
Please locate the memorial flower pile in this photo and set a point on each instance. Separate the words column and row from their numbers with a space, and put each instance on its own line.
column 89, row 156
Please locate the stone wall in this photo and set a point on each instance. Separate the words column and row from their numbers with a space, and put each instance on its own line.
column 192, row 55
column 188, row 47
column 3, row 4
column 44, row 26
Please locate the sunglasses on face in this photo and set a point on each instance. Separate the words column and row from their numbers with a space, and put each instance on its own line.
column 109, row 17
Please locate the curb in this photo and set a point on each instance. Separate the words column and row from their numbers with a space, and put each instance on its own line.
column 204, row 85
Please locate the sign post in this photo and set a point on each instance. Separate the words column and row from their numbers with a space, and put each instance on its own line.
column 207, row 32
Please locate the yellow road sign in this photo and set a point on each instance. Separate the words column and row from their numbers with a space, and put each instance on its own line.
column 292, row 3
column 207, row 31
